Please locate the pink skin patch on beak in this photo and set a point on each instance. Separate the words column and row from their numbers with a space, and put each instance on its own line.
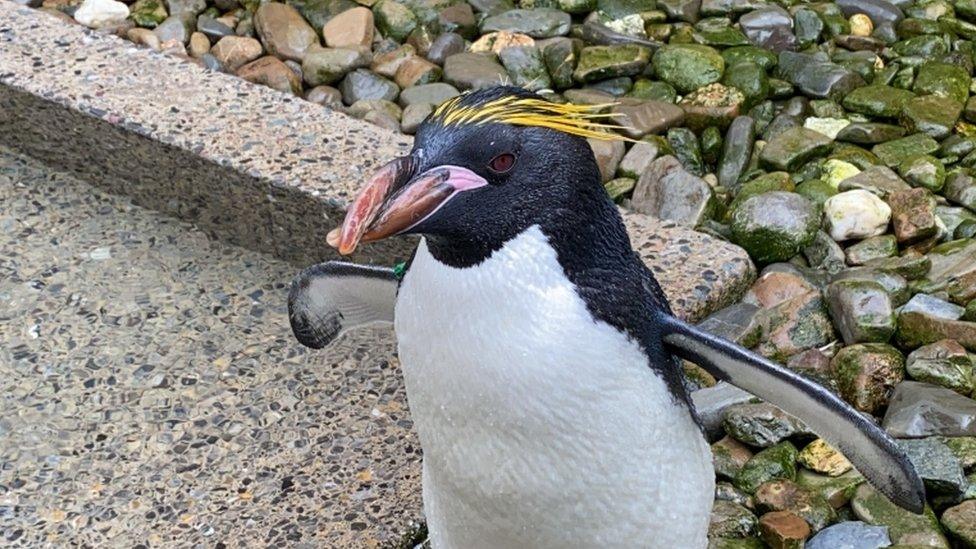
column 380, row 211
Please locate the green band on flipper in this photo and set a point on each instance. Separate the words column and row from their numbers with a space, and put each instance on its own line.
column 400, row 269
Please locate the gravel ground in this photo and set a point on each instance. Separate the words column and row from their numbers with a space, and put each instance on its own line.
column 152, row 393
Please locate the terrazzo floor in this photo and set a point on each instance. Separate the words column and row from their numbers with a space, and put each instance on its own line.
column 151, row 393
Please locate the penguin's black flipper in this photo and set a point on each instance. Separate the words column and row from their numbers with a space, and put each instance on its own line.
column 332, row 297
column 866, row 445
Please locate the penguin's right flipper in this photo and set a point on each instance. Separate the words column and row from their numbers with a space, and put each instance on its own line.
column 332, row 297
column 869, row 448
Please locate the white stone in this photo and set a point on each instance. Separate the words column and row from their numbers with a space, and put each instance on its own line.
column 834, row 171
column 855, row 214
column 827, row 126
column 96, row 14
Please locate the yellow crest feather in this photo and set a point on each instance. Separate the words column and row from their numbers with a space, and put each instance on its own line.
column 583, row 120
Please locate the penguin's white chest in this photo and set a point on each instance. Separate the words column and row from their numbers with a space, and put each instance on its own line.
column 540, row 426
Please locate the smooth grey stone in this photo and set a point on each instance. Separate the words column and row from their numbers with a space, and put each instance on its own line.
column 824, row 253
column 445, row 46
column 711, row 404
column 537, row 23
column 472, row 71
column 878, row 180
column 922, row 410
column 667, row 191
column 895, row 285
column 761, row 424
column 362, row 84
column 781, row 123
column 526, row 67
column 681, row 10
column 711, row 8
column 640, row 118
column 870, row 133
column 595, row 33
column 861, row 311
column 173, row 27
column 769, row 28
column 827, row 80
column 938, row 466
column 215, row 30
column 933, row 306
column 413, row 116
column 797, row 106
column 434, row 94
column 878, row 10
column 492, row 7
column 738, row 323
column 736, row 151
column 212, row 63
column 186, row 7
column 852, row 534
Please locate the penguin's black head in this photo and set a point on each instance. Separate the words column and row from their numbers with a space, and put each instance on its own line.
column 484, row 167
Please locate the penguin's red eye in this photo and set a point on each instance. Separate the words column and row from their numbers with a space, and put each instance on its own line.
column 502, row 163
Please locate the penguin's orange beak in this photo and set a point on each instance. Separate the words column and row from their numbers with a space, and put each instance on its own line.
column 394, row 201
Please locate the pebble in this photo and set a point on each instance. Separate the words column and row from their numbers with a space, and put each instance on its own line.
column 432, row 94
column 712, row 402
column 944, row 363
column 933, row 306
column 850, row 535
column 144, row 37
column 855, row 214
column 233, row 52
column 283, row 31
column 362, row 84
column 640, row 118
column 173, row 29
column 793, row 147
column 783, row 530
column 731, row 520
column 526, row 67
column 608, row 155
column 537, row 23
column 769, row 28
column 774, row 226
column 960, row 521
column 775, row 462
column 938, row 466
column 97, row 14
column 212, row 28
column 786, row 495
column 867, row 373
column 822, row 458
column 272, row 72
column 729, row 456
column 444, row 46
column 413, row 115
column 467, row 71
column 904, row 527
column 921, row 410
column 761, row 425
column 667, row 191
column 688, row 67
column 352, row 28
column 862, row 311
column 199, row 45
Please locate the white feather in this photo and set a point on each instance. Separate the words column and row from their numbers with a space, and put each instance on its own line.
column 541, row 427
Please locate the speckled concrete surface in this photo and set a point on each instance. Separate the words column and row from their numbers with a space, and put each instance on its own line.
column 151, row 392
column 244, row 162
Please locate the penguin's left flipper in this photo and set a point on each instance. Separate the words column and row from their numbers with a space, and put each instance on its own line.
column 329, row 298
column 872, row 451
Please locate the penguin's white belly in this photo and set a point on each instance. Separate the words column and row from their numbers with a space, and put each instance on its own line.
column 540, row 426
